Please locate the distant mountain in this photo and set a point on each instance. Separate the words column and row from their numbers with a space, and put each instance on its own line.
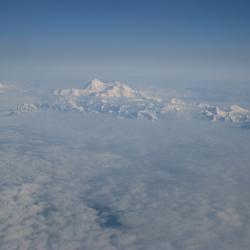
column 121, row 100
column 233, row 113
column 108, row 97
column 98, row 88
column 25, row 108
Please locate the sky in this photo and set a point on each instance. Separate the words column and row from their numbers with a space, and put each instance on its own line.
column 153, row 41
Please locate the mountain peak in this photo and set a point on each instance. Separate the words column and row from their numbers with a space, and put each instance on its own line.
column 95, row 85
column 98, row 88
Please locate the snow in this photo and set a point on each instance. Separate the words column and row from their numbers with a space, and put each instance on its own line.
column 120, row 100
column 101, row 89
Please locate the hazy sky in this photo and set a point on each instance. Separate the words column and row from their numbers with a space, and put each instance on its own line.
column 128, row 40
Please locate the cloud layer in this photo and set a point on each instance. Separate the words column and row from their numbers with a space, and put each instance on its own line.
column 91, row 182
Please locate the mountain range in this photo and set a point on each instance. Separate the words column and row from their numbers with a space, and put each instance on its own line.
column 120, row 100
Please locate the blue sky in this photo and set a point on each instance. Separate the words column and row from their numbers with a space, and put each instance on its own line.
column 162, row 41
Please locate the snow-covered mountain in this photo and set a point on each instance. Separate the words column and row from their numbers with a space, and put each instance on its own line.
column 107, row 97
column 97, row 88
column 233, row 113
column 121, row 100
column 26, row 108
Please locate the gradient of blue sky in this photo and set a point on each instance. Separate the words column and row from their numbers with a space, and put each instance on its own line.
column 144, row 40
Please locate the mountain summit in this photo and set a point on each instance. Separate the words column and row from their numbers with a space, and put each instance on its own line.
column 102, row 89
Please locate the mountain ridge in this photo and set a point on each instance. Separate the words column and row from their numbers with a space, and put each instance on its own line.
column 102, row 89
column 121, row 100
